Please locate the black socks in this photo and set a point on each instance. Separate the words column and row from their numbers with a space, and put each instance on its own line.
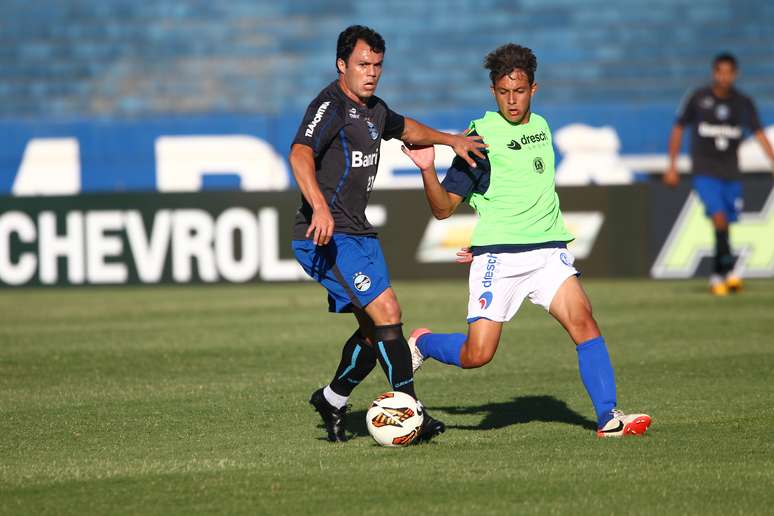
column 357, row 360
column 724, row 260
column 394, row 356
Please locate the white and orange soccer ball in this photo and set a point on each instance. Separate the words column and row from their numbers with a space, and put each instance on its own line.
column 394, row 419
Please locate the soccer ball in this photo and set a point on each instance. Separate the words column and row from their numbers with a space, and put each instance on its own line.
column 394, row 419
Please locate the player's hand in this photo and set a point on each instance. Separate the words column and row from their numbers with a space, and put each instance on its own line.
column 464, row 145
column 423, row 156
column 671, row 177
column 321, row 227
column 464, row 255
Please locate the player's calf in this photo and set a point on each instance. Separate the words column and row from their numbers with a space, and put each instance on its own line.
column 395, row 357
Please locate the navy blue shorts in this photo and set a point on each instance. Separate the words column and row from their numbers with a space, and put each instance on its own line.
column 719, row 196
column 351, row 268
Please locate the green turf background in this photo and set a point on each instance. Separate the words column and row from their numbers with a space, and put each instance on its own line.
column 179, row 400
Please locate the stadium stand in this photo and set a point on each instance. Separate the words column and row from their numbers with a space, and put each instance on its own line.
column 129, row 59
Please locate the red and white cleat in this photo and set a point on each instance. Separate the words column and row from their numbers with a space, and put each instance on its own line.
column 625, row 424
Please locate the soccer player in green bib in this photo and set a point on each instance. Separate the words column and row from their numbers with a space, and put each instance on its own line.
column 519, row 245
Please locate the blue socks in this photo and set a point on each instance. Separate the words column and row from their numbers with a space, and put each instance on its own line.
column 444, row 347
column 596, row 372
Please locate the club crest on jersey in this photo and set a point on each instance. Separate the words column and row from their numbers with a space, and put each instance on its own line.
column 539, row 165
column 361, row 282
column 722, row 112
column 372, row 130
column 485, row 300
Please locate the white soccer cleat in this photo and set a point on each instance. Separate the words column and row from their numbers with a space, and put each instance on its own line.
column 624, row 424
column 416, row 355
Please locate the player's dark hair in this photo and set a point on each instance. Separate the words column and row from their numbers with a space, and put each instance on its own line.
column 508, row 58
column 348, row 39
column 725, row 57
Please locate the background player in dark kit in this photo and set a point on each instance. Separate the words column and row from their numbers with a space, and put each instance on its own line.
column 334, row 159
column 718, row 114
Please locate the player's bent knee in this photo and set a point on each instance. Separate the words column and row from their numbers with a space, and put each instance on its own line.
column 720, row 221
column 385, row 310
column 475, row 362
column 584, row 329
column 474, row 359
column 392, row 313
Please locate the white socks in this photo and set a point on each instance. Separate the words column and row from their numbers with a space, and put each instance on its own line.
column 334, row 399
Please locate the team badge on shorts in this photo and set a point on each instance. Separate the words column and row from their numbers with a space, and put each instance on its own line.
column 565, row 259
column 485, row 300
column 361, row 282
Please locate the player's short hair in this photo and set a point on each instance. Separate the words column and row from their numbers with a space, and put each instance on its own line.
column 508, row 58
column 348, row 39
column 725, row 57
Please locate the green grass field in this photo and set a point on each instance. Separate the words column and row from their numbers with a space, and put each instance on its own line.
column 186, row 400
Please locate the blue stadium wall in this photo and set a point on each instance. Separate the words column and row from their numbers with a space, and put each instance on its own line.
column 100, row 84
column 118, row 155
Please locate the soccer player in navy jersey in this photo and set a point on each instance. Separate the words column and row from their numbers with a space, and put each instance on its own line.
column 718, row 113
column 334, row 158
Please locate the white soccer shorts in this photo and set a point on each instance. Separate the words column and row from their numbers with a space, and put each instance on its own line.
column 499, row 282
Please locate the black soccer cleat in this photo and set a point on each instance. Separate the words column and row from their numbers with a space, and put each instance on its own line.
column 334, row 419
column 430, row 428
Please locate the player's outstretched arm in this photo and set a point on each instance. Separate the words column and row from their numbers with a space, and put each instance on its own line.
column 442, row 203
column 766, row 145
column 671, row 177
column 302, row 163
column 416, row 133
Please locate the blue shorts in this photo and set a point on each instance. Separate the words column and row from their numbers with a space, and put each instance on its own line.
column 719, row 196
column 351, row 268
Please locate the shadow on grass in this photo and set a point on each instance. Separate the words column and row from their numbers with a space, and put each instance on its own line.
column 523, row 409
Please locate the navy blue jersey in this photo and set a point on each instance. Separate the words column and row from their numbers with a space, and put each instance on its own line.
column 464, row 181
column 717, row 129
column 345, row 138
